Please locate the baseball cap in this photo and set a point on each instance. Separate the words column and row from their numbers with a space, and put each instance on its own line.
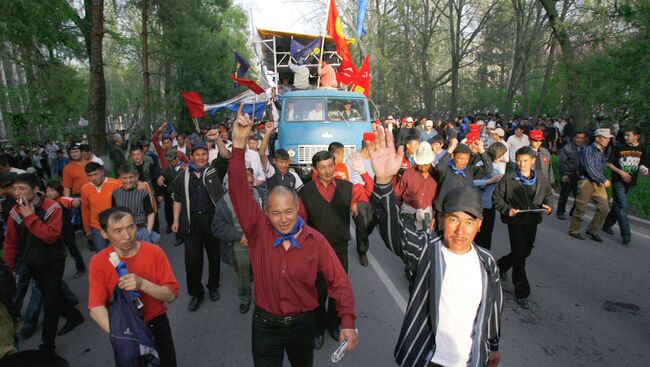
column 171, row 154
column 463, row 199
column 429, row 123
column 198, row 145
column 424, row 155
column 367, row 136
column 499, row 131
column 7, row 179
column 409, row 119
column 492, row 125
column 536, row 135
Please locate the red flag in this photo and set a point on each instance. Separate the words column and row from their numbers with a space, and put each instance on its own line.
column 334, row 28
column 194, row 104
column 361, row 82
column 248, row 84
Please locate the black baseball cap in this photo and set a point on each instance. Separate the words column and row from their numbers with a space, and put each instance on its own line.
column 463, row 199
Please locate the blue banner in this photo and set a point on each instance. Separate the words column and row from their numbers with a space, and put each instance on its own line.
column 299, row 51
column 362, row 6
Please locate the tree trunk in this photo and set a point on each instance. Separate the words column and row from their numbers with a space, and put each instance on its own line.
column 145, row 66
column 547, row 78
column 455, row 62
column 97, row 85
column 574, row 91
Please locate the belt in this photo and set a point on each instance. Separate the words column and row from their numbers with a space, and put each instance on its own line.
column 282, row 320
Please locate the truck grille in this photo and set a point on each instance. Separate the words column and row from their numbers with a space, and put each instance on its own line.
column 306, row 152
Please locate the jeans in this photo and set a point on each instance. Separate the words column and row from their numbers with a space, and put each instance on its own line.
column 484, row 236
column 326, row 316
column 522, row 239
column 364, row 224
column 99, row 241
column 144, row 235
column 242, row 265
column 162, row 336
column 596, row 192
column 30, row 318
column 200, row 238
column 568, row 188
column 618, row 213
column 70, row 240
column 271, row 339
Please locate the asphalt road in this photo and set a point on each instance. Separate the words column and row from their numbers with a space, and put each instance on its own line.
column 590, row 306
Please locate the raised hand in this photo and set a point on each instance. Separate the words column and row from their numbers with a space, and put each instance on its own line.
column 386, row 162
column 356, row 163
column 241, row 128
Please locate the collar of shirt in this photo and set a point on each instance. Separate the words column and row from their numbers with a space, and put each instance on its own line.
column 99, row 188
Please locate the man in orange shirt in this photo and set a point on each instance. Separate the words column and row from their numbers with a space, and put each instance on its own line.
column 96, row 197
column 327, row 76
column 150, row 274
column 74, row 177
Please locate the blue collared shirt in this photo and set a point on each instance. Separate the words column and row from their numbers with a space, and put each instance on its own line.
column 592, row 164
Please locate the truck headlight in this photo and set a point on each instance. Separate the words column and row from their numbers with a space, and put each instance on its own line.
column 292, row 153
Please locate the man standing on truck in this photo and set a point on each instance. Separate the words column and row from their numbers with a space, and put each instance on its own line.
column 327, row 76
column 300, row 75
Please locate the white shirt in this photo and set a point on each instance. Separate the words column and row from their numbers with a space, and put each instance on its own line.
column 213, row 154
column 301, row 76
column 51, row 150
column 255, row 161
column 514, row 144
column 316, row 115
column 16, row 170
column 460, row 298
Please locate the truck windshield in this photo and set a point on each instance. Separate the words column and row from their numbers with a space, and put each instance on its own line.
column 315, row 109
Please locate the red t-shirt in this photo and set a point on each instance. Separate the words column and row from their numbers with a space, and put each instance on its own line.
column 150, row 263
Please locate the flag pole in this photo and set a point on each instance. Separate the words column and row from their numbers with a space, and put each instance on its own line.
column 322, row 45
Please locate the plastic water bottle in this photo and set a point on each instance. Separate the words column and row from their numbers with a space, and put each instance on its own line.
column 120, row 267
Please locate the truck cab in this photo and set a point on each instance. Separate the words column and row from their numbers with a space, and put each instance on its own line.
column 312, row 119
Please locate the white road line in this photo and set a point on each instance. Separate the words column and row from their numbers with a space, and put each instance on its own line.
column 390, row 286
column 633, row 232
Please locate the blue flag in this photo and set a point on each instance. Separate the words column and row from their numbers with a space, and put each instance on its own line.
column 299, row 51
column 241, row 66
column 362, row 6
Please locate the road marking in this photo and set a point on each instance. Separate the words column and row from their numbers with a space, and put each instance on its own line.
column 630, row 217
column 633, row 232
column 390, row 286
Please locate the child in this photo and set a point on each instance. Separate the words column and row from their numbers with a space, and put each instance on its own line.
column 521, row 189
column 54, row 191
column 137, row 200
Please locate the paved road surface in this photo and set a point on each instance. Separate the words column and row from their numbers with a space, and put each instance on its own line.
column 590, row 306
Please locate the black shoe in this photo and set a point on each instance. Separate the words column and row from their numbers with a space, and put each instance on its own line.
column 244, row 307
column 577, row 235
column 363, row 259
column 70, row 324
column 334, row 334
column 626, row 242
column 561, row 216
column 195, row 303
column 318, row 341
column 79, row 274
column 168, row 230
column 608, row 230
column 179, row 241
column 214, row 295
column 523, row 303
column 503, row 275
column 594, row 236
column 25, row 333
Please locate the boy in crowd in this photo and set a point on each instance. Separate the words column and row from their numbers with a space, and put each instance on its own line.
column 519, row 191
column 278, row 173
column 95, row 198
column 137, row 200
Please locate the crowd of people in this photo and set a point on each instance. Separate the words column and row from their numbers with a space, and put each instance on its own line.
column 432, row 189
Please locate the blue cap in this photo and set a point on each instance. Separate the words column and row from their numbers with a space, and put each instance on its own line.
column 198, row 145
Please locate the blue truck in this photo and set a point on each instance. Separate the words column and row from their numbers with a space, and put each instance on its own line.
column 312, row 119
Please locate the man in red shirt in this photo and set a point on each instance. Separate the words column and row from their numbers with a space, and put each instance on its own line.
column 149, row 273
column 286, row 254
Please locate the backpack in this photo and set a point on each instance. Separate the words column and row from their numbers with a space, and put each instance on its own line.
column 132, row 340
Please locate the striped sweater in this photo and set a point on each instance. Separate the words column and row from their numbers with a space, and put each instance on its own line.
column 422, row 253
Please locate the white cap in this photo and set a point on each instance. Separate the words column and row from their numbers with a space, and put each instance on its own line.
column 424, row 155
column 429, row 123
column 480, row 122
column 409, row 119
column 492, row 125
column 499, row 131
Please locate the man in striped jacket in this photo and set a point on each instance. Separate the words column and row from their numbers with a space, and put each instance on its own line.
column 454, row 310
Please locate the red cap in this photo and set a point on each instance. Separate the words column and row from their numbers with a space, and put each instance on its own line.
column 403, row 119
column 472, row 137
column 474, row 128
column 536, row 135
column 368, row 136
column 378, row 122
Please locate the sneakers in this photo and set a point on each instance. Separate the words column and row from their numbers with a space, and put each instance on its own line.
column 577, row 235
column 608, row 230
column 594, row 236
column 523, row 303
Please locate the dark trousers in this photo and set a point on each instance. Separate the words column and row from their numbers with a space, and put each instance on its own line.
column 484, row 236
column 618, row 212
column 199, row 238
column 55, row 304
column 162, row 336
column 169, row 206
column 70, row 240
column 271, row 339
column 522, row 239
column 570, row 187
column 326, row 316
column 364, row 225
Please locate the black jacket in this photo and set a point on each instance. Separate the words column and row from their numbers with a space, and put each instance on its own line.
column 510, row 193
